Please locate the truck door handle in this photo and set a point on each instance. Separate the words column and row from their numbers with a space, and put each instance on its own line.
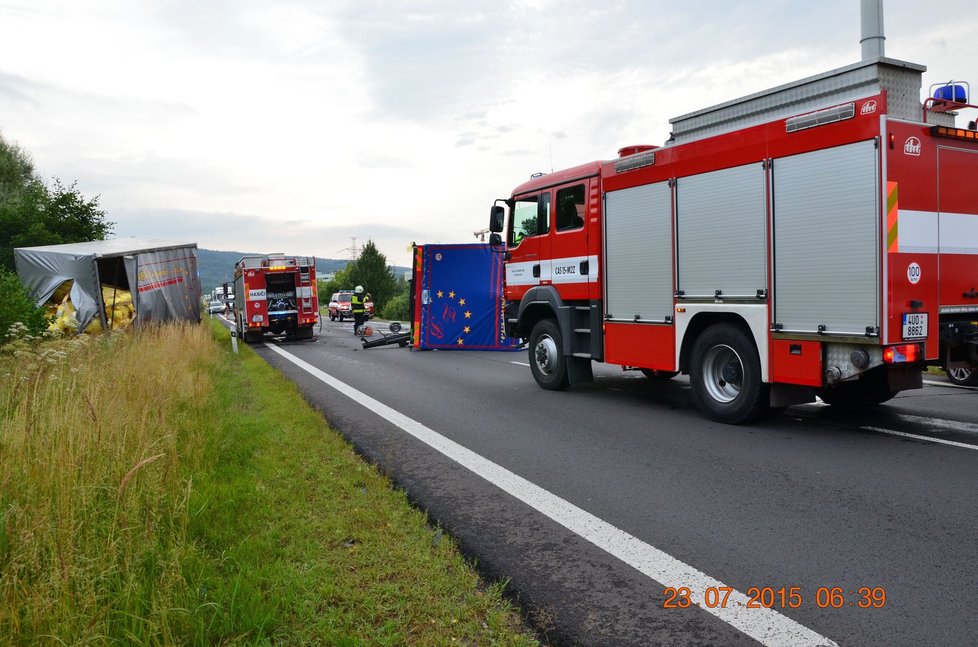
column 970, row 295
column 584, row 268
column 536, row 271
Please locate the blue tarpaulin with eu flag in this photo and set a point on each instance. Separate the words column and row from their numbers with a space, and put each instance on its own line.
column 459, row 298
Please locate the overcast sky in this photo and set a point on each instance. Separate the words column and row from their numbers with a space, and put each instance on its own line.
column 295, row 125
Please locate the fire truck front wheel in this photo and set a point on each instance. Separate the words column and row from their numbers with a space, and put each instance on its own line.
column 547, row 361
column 725, row 374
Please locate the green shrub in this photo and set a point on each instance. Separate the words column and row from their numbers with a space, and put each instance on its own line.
column 398, row 308
column 16, row 306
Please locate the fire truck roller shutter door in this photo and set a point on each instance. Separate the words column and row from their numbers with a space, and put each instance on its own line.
column 638, row 256
column 826, row 249
column 721, row 232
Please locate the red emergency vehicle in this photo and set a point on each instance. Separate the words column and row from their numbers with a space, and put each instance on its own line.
column 817, row 238
column 275, row 294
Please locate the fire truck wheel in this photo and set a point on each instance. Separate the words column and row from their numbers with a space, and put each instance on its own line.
column 654, row 374
column 547, row 361
column 725, row 374
column 962, row 376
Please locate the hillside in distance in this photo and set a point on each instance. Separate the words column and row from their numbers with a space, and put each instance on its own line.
column 217, row 267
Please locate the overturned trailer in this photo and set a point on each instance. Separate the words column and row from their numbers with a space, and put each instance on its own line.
column 160, row 275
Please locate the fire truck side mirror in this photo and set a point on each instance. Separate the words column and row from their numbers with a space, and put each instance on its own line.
column 495, row 240
column 497, row 216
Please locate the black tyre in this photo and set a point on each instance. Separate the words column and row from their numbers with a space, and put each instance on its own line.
column 654, row 374
column 547, row 361
column 725, row 373
column 962, row 376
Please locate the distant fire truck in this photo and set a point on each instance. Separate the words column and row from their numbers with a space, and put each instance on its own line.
column 819, row 238
column 275, row 294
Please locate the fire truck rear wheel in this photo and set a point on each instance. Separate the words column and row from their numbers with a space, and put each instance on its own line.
column 547, row 361
column 725, row 374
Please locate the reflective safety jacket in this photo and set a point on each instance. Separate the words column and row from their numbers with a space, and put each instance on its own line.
column 357, row 303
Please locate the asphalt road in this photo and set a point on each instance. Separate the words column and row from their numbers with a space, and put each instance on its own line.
column 590, row 502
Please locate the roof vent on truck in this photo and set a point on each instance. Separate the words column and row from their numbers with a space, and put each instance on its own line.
column 634, row 157
column 820, row 118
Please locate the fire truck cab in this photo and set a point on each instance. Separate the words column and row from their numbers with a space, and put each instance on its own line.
column 819, row 238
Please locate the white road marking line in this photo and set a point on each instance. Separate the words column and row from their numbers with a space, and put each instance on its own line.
column 521, row 364
column 929, row 439
column 940, row 423
column 766, row 626
column 949, row 385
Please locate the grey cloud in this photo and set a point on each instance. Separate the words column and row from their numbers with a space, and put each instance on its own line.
column 240, row 231
column 18, row 90
column 430, row 59
column 137, row 170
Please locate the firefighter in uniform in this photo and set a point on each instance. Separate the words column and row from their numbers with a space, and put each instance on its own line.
column 359, row 311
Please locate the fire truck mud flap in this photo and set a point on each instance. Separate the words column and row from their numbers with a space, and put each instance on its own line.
column 873, row 387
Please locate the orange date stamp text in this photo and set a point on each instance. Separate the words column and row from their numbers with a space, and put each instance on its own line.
column 769, row 597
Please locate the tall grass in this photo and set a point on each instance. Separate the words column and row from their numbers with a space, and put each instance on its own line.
column 156, row 490
column 93, row 500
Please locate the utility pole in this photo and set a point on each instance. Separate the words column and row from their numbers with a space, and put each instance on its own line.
column 353, row 249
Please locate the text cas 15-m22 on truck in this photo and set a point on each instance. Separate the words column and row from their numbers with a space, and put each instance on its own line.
column 820, row 238
column 275, row 294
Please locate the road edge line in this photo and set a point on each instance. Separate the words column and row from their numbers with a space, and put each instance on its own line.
column 764, row 625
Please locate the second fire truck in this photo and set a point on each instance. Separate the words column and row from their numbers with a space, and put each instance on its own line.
column 275, row 294
column 819, row 238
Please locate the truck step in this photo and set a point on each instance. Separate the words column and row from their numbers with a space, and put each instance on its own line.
column 584, row 308
column 585, row 331
column 583, row 355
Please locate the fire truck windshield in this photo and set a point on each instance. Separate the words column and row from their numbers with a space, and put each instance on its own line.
column 530, row 217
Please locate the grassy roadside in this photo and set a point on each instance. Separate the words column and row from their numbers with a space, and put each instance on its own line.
column 156, row 489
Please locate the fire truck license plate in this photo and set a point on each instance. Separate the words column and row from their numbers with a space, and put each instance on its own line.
column 914, row 325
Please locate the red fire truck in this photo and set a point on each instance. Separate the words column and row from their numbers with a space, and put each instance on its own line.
column 275, row 294
column 819, row 238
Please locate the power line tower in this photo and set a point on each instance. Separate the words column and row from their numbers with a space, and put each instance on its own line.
column 353, row 249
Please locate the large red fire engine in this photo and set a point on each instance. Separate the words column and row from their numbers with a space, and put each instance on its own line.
column 817, row 238
column 275, row 294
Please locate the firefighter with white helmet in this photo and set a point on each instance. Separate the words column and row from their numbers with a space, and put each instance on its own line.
column 358, row 307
